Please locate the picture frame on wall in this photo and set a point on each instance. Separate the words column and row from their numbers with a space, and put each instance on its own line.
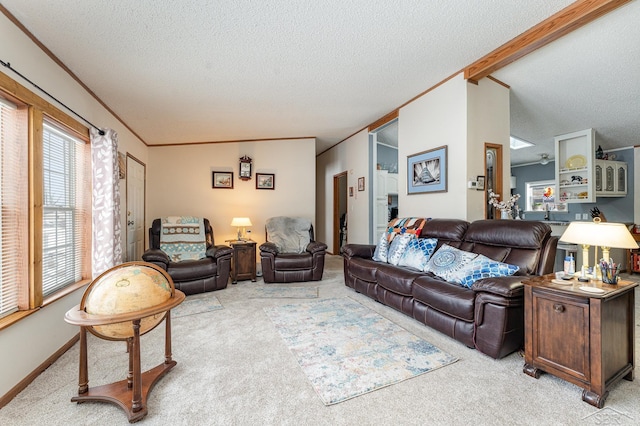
column 361, row 183
column 427, row 171
column 480, row 183
column 222, row 180
column 265, row 181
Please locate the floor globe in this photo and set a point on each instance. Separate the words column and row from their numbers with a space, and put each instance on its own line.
column 129, row 287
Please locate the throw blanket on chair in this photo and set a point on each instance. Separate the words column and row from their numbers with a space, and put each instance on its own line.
column 289, row 234
column 405, row 225
column 183, row 238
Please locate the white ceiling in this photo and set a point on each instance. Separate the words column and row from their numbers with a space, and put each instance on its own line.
column 199, row 70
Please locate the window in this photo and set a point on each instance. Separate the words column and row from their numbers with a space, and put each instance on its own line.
column 45, row 203
column 64, row 208
column 14, row 218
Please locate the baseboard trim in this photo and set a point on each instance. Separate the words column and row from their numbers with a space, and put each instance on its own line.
column 6, row 398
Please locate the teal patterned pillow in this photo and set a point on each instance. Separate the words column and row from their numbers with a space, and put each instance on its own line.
column 448, row 261
column 398, row 247
column 380, row 253
column 418, row 252
column 483, row 267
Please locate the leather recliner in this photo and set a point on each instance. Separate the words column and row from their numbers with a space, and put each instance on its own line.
column 280, row 267
column 192, row 276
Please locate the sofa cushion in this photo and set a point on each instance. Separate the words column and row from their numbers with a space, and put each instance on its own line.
column 398, row 247
column 363, row 269
column 448, row 261
column 483, row 267
column 418, row 252
column 380, row 254
column 292, row 262
column 396, row 279
column 449, row 298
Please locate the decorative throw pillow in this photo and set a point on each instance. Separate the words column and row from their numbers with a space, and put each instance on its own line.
column 483, row 267
column 448, row 261
column 398, row 247
column 380, row 253
column 418, row 253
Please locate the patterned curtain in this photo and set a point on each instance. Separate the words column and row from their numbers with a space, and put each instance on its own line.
column 106, row 235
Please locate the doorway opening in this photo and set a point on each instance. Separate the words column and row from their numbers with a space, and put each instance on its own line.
column 384, row 178
column 340, row 215
column 136, row 194
column 493, row 172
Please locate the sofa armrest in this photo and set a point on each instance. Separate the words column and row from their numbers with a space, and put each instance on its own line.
column 269, row 247
column 219, row 251
column 359, row 250
column 156, row 256
column 502, row 286
column 315, row 247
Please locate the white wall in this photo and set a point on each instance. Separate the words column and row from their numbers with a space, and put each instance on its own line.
column 29, row 342
column 179, row 183
column 352, row 156
column 488, row 121
column 636, row 188
column 437, row 118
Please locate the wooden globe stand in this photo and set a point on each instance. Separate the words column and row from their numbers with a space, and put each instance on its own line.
column 130, row 394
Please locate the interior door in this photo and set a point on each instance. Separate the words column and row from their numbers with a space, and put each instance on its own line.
column 135, row 208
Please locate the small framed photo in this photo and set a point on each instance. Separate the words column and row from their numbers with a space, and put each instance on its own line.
column 222, row 180
column 427, row 171
column 351, row 191
column 480, row 183
column 361, row 183
column 265, row 181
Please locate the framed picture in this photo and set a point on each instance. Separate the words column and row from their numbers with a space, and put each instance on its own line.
column 265, row 181
column 427, row 171
column 351, row 191
column 222, row 180
column 480, row 183
column 361, row 183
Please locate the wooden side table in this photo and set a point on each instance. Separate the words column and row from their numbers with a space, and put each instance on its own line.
column 243, row 260
column 632, row 257
column 585, row 338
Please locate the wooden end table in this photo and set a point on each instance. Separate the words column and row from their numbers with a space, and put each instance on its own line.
column 583, row 337
column 243, row 260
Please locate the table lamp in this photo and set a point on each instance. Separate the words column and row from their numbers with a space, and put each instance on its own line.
column 598, row 233
column 241, row 223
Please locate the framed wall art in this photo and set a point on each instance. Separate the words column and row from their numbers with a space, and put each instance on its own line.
column 361, row 183
column 222, row 180
column 265, row 181
column 427, row 171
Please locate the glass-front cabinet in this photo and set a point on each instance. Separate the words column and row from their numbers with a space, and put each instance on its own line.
column 611, row 178
column 575, row 171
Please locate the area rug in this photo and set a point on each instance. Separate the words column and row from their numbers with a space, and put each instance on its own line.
column 196, row 304
column 347, row 350
column 271, row 292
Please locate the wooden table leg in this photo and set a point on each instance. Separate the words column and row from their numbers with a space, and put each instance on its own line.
column 83, row 379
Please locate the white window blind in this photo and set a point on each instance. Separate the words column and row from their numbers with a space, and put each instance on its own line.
column 14, row 217
column 66, row 193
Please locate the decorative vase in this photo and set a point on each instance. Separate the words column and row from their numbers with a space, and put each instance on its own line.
column 505, row 214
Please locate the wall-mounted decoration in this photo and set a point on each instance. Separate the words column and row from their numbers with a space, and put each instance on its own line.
column 222, row 180
column 122, row 165
column 480, row 185
column 245, row 168
column 361, row 183
column 265, row 181
column 351, row 191
column 427, row 171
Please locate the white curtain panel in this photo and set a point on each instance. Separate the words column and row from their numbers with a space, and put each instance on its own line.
column 106, row 238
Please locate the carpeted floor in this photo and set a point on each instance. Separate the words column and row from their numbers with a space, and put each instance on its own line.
column 235, row 369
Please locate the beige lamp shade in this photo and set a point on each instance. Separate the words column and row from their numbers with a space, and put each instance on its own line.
column 241, row 223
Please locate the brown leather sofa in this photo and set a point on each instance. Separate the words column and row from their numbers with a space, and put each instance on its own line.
column 192, row 276
column 280, row 267
column 489, row 316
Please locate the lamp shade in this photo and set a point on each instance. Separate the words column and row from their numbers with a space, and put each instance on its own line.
column 603, row 234
column 241, row 221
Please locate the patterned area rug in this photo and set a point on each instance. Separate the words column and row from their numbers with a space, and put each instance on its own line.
column 347, row 350
column 271, row 292
column 197, row 304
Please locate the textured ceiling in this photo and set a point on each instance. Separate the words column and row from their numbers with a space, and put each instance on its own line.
column 194, row 71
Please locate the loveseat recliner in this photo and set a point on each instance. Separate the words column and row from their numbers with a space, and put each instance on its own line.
column 208, row 273
column 488, row 316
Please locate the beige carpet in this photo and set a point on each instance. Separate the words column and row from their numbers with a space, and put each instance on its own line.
column 234, row 369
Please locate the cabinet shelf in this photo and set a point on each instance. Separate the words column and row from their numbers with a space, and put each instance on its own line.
column 567, row 147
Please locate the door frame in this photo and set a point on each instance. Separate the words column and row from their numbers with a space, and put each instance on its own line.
column 144, row 203
column 336, row 213
column 492, row 212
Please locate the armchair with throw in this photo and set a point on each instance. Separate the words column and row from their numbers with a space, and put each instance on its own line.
column 185, row 248
column 290, row 253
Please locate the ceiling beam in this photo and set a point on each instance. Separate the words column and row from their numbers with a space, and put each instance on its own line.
column 568, row 19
